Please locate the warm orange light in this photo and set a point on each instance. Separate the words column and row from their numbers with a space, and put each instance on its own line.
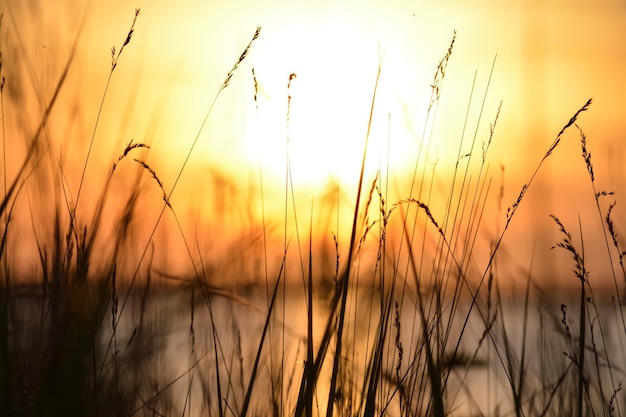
column 550, row 60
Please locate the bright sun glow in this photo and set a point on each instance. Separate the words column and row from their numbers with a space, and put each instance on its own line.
column 322, row 114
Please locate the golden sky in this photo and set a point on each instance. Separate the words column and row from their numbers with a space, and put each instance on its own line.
column 551, row 57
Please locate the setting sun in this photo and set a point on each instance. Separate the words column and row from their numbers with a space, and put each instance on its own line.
column 315, row 80
column 301, row 208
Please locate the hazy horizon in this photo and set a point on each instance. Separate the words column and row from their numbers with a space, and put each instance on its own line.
column 550, row 60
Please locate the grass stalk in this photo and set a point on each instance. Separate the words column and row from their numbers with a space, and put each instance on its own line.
column 255, row 366
column 5, row 295
column 611, row 231
column 114, row 60
column 181, row 170
column 308, row 374
column 433, row 367
column 346, row 275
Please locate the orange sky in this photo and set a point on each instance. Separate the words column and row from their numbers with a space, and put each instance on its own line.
column 550, row 59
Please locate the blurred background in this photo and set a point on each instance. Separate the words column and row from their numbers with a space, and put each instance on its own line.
column 542, row 60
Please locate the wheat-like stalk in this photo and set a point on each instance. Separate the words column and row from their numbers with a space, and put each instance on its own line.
column 129, row 147
column 243, row 56
column 156, row 178
column 114, row 57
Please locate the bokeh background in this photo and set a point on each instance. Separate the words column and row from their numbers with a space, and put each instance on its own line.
column 542, row 60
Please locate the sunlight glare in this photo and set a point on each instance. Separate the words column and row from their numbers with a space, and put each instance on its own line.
column 324, row 123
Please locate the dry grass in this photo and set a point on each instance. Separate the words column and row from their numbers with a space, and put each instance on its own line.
column 407, row 327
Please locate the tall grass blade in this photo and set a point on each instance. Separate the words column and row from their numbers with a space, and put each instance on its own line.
column 255, row 366
column 348, row 267
column 308, row 374
column 179, row 175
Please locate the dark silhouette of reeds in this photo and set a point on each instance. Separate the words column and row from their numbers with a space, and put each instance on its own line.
column 93, row 336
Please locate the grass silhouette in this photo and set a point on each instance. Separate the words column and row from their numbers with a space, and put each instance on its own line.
column 389, row 329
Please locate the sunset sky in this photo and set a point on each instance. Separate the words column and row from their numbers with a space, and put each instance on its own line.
column 550, row 57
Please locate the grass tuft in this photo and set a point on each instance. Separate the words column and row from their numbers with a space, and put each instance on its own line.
column 395, row 321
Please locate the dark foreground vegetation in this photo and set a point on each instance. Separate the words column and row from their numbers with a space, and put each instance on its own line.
column 412, row 328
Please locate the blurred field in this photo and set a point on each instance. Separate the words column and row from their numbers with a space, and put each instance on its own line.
column 367, row 214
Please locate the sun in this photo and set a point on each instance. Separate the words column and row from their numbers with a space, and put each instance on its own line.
column 320, row 99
